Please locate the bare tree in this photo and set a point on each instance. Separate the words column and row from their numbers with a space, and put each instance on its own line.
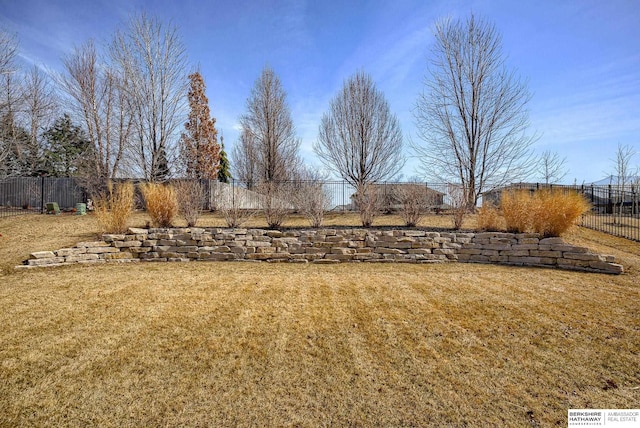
column 9, row 99
column 551, row 167
column 268, row 137
column 245, row 160
column 472, row 115
column 39, row 107
column 622, row 169
column 95, row 96
column 359, row 137
column 151, row 62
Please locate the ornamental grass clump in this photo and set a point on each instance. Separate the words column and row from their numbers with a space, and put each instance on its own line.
column 489, row 218
column 516, row 210
column 549, row 212
column 114, row 206
column 161, row 203
column 556, row 210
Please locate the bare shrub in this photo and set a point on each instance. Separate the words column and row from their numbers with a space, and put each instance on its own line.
column 312, row 201
column 459, row 204
column 161, row 203
column 276, row 203
column 489, row 218
column 415, row 200
column 368, row 201
column 113, row 207
column 232, row 202
column 190, row 195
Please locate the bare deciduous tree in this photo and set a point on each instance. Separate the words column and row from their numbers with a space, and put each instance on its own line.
column 96, row 98
column 245, row 160
column 9, row 98
column 151, row 62
column 39, row 107
column 268, row 140
column 551, row 167
column 622, row 169
column 472, row 115
column 359, row 137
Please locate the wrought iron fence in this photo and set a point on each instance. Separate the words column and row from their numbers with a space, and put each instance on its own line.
column 28, row 195
column 615, row 208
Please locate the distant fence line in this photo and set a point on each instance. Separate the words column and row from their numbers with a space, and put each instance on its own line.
column 615, row 210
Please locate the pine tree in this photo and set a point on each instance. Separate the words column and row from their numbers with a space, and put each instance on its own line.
column 161, row 171
column 224, row 173
column 199, row 142
column 68, row 149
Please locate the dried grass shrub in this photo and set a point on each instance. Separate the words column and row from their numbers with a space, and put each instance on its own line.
column 556, row 211
column 191, row 198
column 549, row 212
column 114, row 206
column 161, row 203
column 489, row 218
column 516, row 207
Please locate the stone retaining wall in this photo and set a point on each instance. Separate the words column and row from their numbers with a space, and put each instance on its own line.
column 328, row 246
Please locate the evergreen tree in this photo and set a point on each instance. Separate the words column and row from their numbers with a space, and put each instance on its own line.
column 224, row 173
column 68, row 149
column 199, row 142
column 161, row 172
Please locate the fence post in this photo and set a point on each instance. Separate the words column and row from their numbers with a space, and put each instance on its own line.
column 42, row 211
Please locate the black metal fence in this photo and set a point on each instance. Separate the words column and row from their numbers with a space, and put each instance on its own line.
column 26, row 195
column 615, row 209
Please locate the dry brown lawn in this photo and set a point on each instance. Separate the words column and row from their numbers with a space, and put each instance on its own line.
column 250, row 344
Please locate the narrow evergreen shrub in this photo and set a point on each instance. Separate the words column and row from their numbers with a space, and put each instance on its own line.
column 113, row 207
column 161, row 203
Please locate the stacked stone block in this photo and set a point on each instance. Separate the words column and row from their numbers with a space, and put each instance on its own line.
column 328, row 246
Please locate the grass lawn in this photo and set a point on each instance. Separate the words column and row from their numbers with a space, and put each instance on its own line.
column 226, row 344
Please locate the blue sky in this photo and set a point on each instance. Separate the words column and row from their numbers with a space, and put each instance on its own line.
column 581, row 58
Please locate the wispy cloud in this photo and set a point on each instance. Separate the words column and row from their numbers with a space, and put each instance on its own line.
column 603, row 106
